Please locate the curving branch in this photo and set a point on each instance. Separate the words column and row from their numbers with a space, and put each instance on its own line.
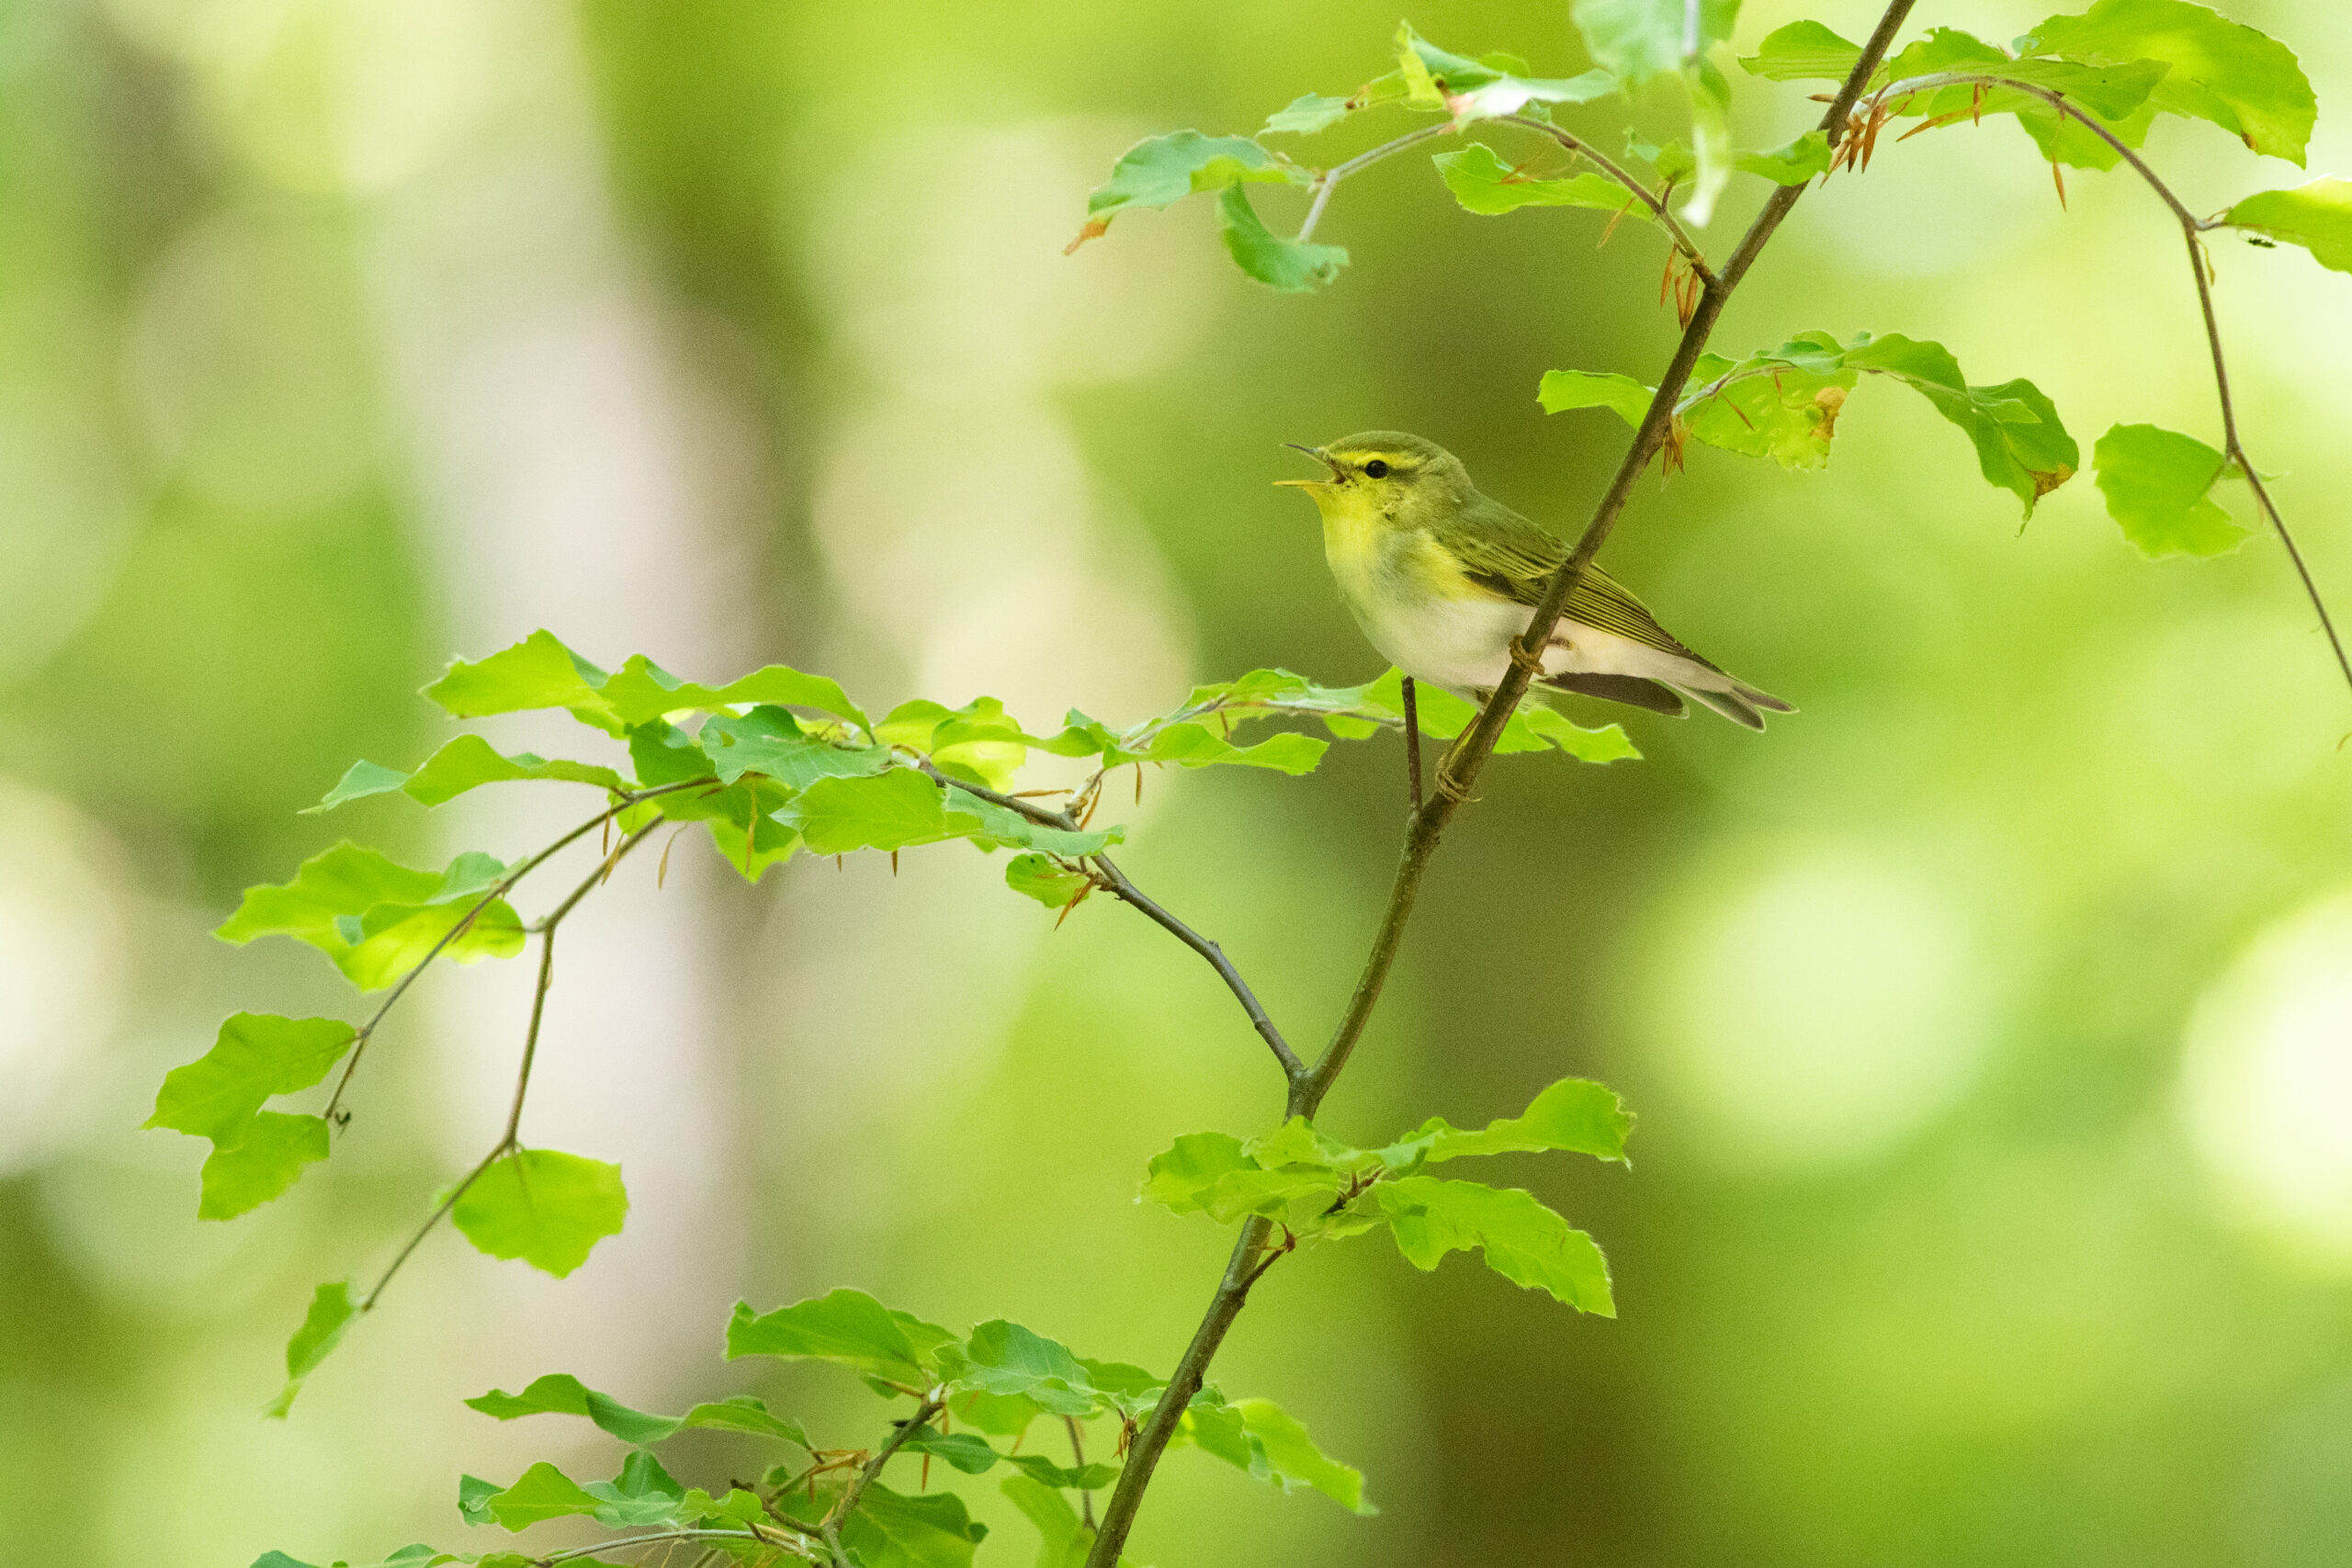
column 1653, row 200
column 932, row 1405
column 2191, row 228
column 1455, row 775
column 507, row 1141
column 504, row 885
column 1117, row 883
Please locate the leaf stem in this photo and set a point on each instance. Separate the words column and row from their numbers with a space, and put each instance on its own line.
column 2191, row 228
column 1455, row 773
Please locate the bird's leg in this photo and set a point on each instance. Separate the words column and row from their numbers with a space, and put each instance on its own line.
column 1412, row 744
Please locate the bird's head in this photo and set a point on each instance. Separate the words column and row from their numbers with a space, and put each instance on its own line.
column 1384, row 474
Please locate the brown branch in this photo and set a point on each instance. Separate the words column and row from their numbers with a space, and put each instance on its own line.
column 1655, row 202
column 1117, row 883
column 504, row 885
column 1455, row 775
column 507, row 1139
column 831, row 1527
column 2191, row 228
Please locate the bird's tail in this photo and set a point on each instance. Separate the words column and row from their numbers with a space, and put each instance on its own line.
column 1738, row 701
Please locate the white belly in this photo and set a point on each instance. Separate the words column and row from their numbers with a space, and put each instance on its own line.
column 1465, row 645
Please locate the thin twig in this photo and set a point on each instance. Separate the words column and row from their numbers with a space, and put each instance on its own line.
column 1656, row 203
column 1338, row 171
column 831, row 1527
column 1078, row 1461
column 1455, row 773
column 506, row 1140
column 1118, row 884
column 504, row 885
column 2191, row 228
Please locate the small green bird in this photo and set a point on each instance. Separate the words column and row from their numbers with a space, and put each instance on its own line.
column 1441, row 578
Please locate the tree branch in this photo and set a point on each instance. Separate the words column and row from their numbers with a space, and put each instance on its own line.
column 504, row 885
column 1338, row 171
column 840, row 1510
column 1656, row 203
column 1117, row 883
column 507, row 1139
column 1455, row 775
column 2191, row 228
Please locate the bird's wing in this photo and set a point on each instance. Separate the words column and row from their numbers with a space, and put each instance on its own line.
column 1512, row 557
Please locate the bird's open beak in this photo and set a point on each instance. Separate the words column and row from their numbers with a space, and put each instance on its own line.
column 1319, row 456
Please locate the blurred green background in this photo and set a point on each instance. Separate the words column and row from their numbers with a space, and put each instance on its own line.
column 1990, row 1021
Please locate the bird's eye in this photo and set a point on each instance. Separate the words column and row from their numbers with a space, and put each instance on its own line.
column 1375, row 470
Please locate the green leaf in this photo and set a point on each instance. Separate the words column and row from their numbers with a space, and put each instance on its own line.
column 1258, row 1435
column 1003, row 1358
column 890, row 1529
column 1782, row 406
column 1710, row 98
column 1785, row 403
column 1001, row 827
column 889, row 811
column 255, row 1056
column 1803, row 51
column 1522, row 1240
column 1307, row 114
column 978, row 743
column 562, row 1394
column 967, row 1451
column 1534, row 727
column 1037, row 876
column 2157, row 484
column 1486, row 88
column 332, row 1306
column 643, row 1495
column 465, row 762
column 1292, row 1462
column 642, row 691
column 2316, row 216
column 1219, row 1176
column 1575, row 1114
column 1278, row 262
column 473, row 1498
column 1561, row 391
column 541, row 672
column 845, row 1326
column 266, row 1158
column 546, row 1208
column 1641, row 38
column 377, row 918
column 768, row 741
column 1483, row 183
column 2221, row 71
column 1163, row 170
column 537, row 673
column 1063, row 1541
column 1790, row 163
column 540, row 1493
column 1194, row 745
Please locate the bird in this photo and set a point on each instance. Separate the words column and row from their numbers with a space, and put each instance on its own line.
column 1442, row 578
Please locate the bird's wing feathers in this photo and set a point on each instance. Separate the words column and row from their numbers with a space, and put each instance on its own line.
column 1512, row 557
